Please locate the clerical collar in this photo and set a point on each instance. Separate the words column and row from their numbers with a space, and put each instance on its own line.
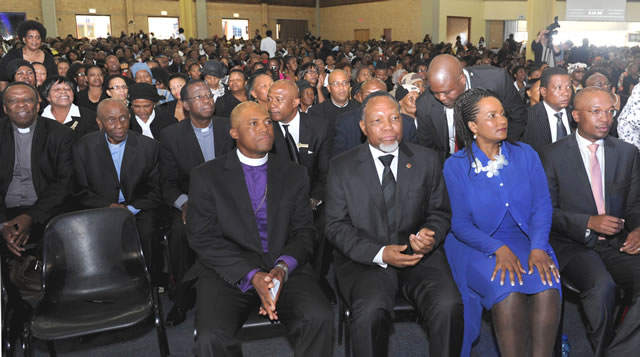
column 26, row 130
column 203, row 130
column 252, row 162
column 338, row 105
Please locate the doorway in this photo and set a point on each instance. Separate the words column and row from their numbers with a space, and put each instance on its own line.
column 235, row 28
column 93, row 26
column 495, row 34
column 387, row 35
column 164, row 28
column 361, row 35
column 291, row 29
column 458, row 26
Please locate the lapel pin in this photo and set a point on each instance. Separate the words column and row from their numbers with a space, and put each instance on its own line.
column 303, row 146
column 409, row 165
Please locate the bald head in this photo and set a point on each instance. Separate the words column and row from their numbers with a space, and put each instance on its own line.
column 594, row 112
column 286, row 84
column 113, row 118
column 109, row 104
column 371, row 86
column 338, row 74
column 283, row 100
column 242, row 109
column 446, row 79
column 585, row 96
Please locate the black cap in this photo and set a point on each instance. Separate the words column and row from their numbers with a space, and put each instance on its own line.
column 355, row 89
column 144, row 91
column 401, row 93
column 214, row 68
column 303, row 84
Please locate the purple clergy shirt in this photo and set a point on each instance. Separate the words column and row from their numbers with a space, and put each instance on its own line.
column 256, row 180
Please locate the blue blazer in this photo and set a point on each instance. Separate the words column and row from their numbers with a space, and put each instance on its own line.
column 479, row 203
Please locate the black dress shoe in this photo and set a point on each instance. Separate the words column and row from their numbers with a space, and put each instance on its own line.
column 176, row 316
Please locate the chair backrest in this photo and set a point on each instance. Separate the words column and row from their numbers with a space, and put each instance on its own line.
column 93, row 251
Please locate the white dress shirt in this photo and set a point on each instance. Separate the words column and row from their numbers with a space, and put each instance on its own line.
column 146, row 127
column 269, row 45
column 583, row 145
column 74, row 111
column 294, row 128
column 450, row 122
column 375, row 153
column 553, row 121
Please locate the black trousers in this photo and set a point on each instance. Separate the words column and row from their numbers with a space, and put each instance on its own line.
column 221, row 309
column 182, row 258
column 596, row 273
column 429, row 286
column 149, row 233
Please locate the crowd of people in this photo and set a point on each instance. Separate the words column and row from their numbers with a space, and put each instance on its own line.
column 463, row 177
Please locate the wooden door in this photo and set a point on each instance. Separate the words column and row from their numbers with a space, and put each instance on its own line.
column 458, row 26
column 387, row 35
column 495, row 33
column 292, row 29
column 361, row 35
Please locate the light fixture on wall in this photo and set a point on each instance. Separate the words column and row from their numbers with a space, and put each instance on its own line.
column 163, row 13
column 92, row 11
column 235, row 14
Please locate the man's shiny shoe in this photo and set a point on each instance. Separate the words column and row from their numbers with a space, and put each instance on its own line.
column 176, row 316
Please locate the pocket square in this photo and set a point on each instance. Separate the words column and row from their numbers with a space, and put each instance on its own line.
column 303, row 146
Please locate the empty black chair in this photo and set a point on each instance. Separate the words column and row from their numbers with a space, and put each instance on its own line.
column 94, row 278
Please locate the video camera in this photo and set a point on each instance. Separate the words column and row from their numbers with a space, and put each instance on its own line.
column 551, row 30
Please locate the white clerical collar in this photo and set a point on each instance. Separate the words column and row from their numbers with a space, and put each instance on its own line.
column 338, row 105
column 252, row 162
column 74, row 111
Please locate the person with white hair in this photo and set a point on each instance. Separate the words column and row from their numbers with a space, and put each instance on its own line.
column 629, row 119
column 576, row 72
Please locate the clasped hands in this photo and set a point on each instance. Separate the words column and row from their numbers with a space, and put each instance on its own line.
column 422, row 243
column 263, row 282
column 16, row 233
column 610, row 225
column 506, row 261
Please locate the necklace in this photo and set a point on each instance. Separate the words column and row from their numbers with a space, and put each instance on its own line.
column 493, row 166
column 264, row 197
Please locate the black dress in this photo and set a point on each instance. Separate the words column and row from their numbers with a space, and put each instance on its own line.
column 16, row 53
column 225, row 104
column 82, row 100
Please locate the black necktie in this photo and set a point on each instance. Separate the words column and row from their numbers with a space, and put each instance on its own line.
column 291, row 144
column 389, row 189
column 562, row 131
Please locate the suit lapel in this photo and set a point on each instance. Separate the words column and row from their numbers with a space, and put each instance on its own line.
column 37, row 148
column 235, row 177
column 543, row 125
column 305, row 136
column 275, row 179
column 191, row 142
column 369, row 177
column 279, row 144
column 574, row 161
column 219, row 139
column 104, row 154
column 7, row 149
column 439, row 119
column 404, row 179
column 610, row 166
column 127, row 166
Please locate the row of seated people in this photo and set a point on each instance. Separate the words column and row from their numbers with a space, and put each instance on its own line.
column 389, row 234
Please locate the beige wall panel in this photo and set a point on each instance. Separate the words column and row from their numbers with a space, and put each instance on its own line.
column 68, row 9
column 402, row 16
column 504, row 10
column 464, row 8
column 33, row 8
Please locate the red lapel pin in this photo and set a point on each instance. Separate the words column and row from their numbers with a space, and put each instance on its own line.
column 409, row 166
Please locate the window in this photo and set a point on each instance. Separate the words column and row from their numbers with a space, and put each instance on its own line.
column 93, row 26
column 164, row 27
column 235, row 28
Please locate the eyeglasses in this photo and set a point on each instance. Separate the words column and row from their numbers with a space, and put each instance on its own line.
column 421, row 71
column 12, row 101
column 113, row 121
column 274, row 67
column 81, row 74
column 201, row 97
column 602, row 84
column 599, row 112
column 119, row 87
column 339, row 83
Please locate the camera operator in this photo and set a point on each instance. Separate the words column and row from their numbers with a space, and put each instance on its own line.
column 542, row 48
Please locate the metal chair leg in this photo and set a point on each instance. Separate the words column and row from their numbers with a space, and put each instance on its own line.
column 347, row 333
column 340, row 321
column 159, row 323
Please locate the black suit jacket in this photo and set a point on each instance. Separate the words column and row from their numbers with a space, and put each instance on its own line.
column 538, row 133
column 432, row 121
column 221, row 226
column 349, row 135
column 356, row 213
column 315, row 156
column 97, row 180
column 572, row 198
column 162, row 120
column 180, row 152
column 51, row 167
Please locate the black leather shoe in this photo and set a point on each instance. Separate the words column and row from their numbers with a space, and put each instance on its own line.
column 176, row 316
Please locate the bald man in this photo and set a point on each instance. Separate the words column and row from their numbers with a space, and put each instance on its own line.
column 251, row 226
column 339, row 102
column 348, row 134
column 594, row 181
column 116, row 167
column 447, row 81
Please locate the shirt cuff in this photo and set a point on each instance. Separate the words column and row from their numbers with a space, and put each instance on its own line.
column 291, row 262
column 245, row 284
column 378, row 259
column 587, row 233
column 180, row 201
column 133, row 209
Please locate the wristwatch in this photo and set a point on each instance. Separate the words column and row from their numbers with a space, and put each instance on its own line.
column 284, row 267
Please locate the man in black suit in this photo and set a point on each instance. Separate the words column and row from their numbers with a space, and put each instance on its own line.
column 145, row 119
column 36, row 174
column 339, row 89
column 388, row 234
column 551, row 119
column 199, row 138
column 251, row 226
column 348, row 134
column 447, row 81
column 594, row 181
column 117, row 167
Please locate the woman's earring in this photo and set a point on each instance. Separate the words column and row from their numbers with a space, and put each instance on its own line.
column 475, row 136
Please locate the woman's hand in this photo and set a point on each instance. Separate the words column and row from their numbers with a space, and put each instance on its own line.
column 546, row 267
column 507, row 261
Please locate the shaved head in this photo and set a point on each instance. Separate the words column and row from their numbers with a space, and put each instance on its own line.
column 106, row 105
column 446, row 79
column 288, row 84
column 335, row 72
column 238, row 112
column 583, row 97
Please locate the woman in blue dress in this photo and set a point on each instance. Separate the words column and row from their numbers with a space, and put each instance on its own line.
column 498, row 246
